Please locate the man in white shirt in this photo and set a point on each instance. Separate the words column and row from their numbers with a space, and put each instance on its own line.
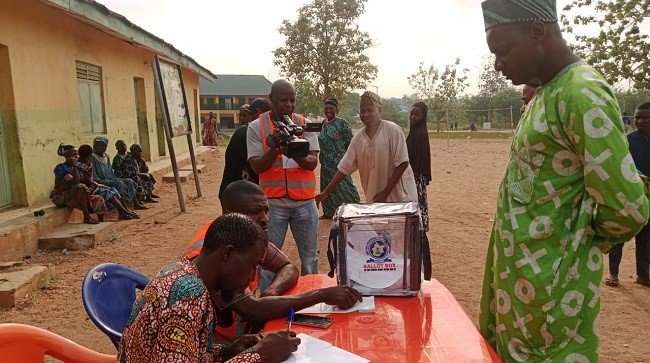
column 379, row 152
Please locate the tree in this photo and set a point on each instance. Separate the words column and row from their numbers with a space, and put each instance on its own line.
column 394, row 109
column 308, row 100
column 491, row 81
column 619, row 50
column 440, row 90
column 325, row 46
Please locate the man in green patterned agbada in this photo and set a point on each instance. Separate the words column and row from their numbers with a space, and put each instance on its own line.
column 570, row 192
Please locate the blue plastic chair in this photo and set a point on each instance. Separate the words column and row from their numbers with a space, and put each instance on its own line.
column 108, row 293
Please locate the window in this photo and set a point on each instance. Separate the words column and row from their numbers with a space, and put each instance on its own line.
column 91, row 102
column 227, row 104
column 204, row 100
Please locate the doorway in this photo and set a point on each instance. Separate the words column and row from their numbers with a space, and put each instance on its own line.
column 141, row 114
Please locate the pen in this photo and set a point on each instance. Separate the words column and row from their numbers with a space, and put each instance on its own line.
column 291, row 313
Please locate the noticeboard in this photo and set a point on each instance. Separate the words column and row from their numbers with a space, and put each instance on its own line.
column 174, row 100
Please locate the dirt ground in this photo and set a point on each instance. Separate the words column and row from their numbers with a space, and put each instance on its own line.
column 466, row 176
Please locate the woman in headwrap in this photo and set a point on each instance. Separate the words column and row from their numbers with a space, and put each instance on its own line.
column 417, row 143
column 105, row 175
column 334, row 139
column 69, row 191
column 128, row 167
column 110, row 195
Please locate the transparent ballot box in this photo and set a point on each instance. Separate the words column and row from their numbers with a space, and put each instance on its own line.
column 376, row 248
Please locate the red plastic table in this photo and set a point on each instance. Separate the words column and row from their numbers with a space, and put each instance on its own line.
column 430, row 327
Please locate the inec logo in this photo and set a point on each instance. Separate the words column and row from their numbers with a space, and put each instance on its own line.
column 378, row 248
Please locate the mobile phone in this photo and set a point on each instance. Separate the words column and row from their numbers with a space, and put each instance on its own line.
column 314, row 321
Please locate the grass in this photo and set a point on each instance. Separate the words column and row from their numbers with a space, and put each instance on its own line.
column 50, row 284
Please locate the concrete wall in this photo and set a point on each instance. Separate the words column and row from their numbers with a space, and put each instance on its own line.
column 43, row 45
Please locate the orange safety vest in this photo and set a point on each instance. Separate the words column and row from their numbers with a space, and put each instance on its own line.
column 192, row 250
column 278, row 182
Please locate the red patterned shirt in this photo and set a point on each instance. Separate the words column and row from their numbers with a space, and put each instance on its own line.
column 173, row 321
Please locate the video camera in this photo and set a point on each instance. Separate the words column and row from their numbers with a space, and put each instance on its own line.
column 295, row 147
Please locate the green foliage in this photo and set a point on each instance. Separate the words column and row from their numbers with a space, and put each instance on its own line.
column 325, row 48
column 349, row 107
column 631, row 99
column 308, row 99
column 491, row 81
column 618, row 49
column 439, row 90
column 396, row 110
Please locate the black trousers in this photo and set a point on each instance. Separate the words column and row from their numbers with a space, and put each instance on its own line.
column 642, row 241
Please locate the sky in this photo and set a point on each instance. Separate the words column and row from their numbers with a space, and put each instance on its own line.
column 238, row 37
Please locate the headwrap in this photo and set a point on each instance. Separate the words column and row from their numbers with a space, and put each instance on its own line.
column 100, row 140
column 499, row 12
column 260, row 105
column 245, row 107
column 417, row 143
column 120, row 142
column 371, row 97
column 332, row 101
column 134, row 148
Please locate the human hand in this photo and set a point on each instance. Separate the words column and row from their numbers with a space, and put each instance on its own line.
column 276, row 346
column 344, row 297
column 244, row 342
column 380, row 197
column 319, row 198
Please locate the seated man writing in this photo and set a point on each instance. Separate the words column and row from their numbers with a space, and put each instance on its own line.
column 248, row 198
column 174, row 319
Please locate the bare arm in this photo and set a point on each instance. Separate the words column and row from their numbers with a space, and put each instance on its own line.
column 264, row 309
column 397, row 174
column 260, row 164
column 338, row 177
column 309, row 162
column 284, row 279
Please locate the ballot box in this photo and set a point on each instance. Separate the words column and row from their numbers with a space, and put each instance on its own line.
column 376, row 248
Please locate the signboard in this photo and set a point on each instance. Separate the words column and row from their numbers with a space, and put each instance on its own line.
column 176, row 116
column 175, row 102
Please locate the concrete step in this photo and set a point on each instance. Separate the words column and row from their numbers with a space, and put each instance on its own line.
column 20, row 228
column 75, row 236
column 184, row 175
column 15, row 285
column 199, row 168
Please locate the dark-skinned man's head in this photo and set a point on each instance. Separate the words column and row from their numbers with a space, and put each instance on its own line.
column 521, row 35
column 248, row 199
column 283, row 98
column 234, row 246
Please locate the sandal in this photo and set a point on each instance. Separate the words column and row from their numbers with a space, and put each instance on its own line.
column 134, row 215
column 91, row 221
column 126, row 217
column 611, row 281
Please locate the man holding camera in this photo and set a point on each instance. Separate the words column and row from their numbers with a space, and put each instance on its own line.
column 289, row 181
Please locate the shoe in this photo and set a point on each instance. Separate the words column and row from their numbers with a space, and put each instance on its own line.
column 641, row 281
column 611, row 281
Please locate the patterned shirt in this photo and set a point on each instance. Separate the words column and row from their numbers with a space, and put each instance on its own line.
column 173, row 321
column 570, row 190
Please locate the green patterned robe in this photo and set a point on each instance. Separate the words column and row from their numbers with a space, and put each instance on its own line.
column 571, row 190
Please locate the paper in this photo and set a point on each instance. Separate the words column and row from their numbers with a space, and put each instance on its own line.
column 313, row 350
column 366, row 305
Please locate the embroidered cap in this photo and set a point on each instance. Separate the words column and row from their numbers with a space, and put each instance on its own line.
column 499, row 12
